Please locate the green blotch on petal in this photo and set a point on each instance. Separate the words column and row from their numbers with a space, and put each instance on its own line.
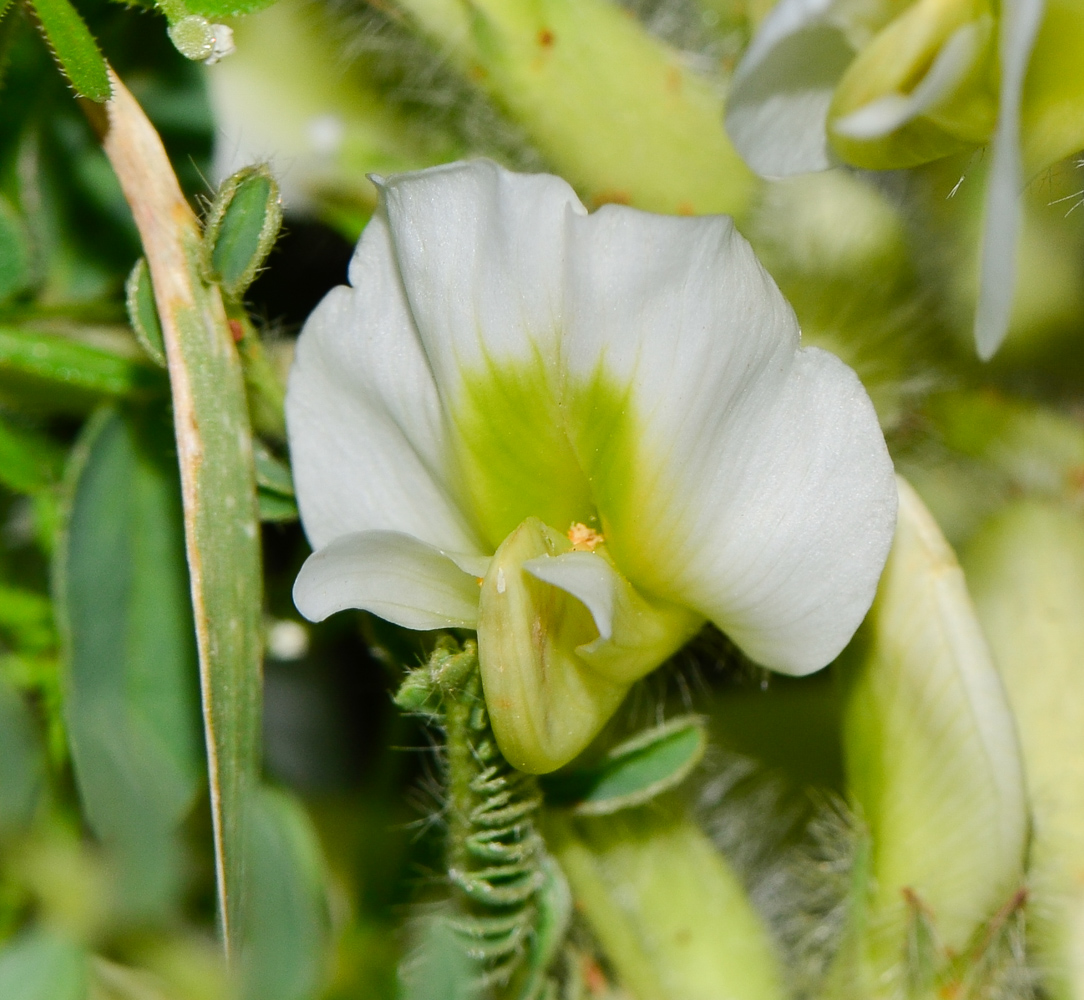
column 626, row 476
column 530, row 449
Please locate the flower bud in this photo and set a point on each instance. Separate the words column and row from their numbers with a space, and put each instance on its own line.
column 931, row 754
column 925, row 87
column 199, row 40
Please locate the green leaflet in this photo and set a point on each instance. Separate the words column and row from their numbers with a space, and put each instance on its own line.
column 143, row 313
column 932, row 763
column 58, row 374
column 241, row 228
column 175, row 10
column 635, row 771
column 15, row 255
column 131, row 694
column 22, row 766
column 227, row 583
column 286, row 918
column 272, row 474
column 29, row 462
column 274, row 507
column 74, row 48
column 42, row 966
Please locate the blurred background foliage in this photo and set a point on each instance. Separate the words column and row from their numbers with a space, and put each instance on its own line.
column 107, row 884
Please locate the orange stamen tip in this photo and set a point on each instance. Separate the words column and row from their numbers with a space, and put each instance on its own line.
column 583, row 538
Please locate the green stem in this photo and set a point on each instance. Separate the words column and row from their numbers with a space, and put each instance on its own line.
column 511, row 905
column 461, row 770
column 266, row 393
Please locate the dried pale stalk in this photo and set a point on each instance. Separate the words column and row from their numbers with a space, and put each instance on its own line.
column 214, row 447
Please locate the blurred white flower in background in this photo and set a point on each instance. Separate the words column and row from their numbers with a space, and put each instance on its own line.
column 885, row 86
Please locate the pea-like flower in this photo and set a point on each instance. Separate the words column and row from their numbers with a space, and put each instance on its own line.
column 583, row 436
column 887, row 85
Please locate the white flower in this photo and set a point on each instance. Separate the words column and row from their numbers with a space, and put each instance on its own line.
column 583, row 435
column 884, row 86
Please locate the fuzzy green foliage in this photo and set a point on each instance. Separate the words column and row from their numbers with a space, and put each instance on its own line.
column 74, row 48
column 240, row 229
column 143, row 313
column 883, row 889
column 633, row 772
column 44, row 371
column 511, row 909
column 131, row 685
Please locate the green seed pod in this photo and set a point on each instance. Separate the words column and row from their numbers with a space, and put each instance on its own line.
column 1026, row 570
column 240, row 229
column 143, row 313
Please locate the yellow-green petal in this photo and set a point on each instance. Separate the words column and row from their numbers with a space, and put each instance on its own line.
column 545, row 703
